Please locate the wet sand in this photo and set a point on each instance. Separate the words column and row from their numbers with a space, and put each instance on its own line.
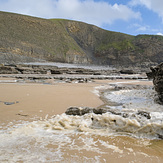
column 37, row 100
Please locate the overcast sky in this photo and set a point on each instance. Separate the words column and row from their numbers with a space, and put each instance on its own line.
column 127, row 16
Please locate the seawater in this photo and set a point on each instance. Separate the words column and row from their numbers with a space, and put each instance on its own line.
column 69, row 65
column 91, row 138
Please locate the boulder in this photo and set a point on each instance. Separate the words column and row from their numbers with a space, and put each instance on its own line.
column 78, row 111
column 84, row 110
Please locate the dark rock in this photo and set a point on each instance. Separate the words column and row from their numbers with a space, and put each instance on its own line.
column 97, row 73
column 99, row 111
column 150, row 75
column 157, row 75
column 78, row 111
column 8, row 70
column 80, row 71
column 127, row 71
column 9, row 103
column 85, row 110
column 73, row 111
column 125, row 115
column 144, row 113
column 160, row 136
column 56, row 72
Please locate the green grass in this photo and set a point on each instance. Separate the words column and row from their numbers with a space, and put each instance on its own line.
column 46, row 37
column 120, row 46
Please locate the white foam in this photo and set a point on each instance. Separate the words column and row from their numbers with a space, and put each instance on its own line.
column 29, row 142
column 97, row 89
column 142, row 99
column 49, row 139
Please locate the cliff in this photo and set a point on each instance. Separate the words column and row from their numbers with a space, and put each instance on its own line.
column 25, row 38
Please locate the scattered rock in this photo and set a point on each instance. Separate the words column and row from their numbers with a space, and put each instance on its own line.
column 85, row 110
column 10, row 103
column 145, row 114
column 100, row 111
column 79, row 111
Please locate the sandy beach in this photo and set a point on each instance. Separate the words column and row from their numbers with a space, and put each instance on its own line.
column 37, row 100
column 40, row 141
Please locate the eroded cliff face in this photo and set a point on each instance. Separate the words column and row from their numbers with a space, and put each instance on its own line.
column 38, row 38
column 95, row 42
column 106, row 47
column 58, row 40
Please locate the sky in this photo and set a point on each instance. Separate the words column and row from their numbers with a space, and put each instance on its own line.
column 127, row 16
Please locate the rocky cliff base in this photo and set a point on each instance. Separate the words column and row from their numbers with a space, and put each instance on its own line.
column 64, row 74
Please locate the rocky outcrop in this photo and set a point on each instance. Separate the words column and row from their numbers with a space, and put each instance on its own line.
column 157, row 75
column 80, row 111
column 44, row 69
column 68, row 75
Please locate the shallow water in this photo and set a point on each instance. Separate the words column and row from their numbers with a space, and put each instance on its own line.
column 92, row 137
column 69, row 65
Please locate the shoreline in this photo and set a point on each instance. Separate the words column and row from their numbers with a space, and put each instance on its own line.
column 34, row 100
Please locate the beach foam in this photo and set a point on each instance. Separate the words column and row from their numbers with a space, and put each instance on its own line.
column 51, row 139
